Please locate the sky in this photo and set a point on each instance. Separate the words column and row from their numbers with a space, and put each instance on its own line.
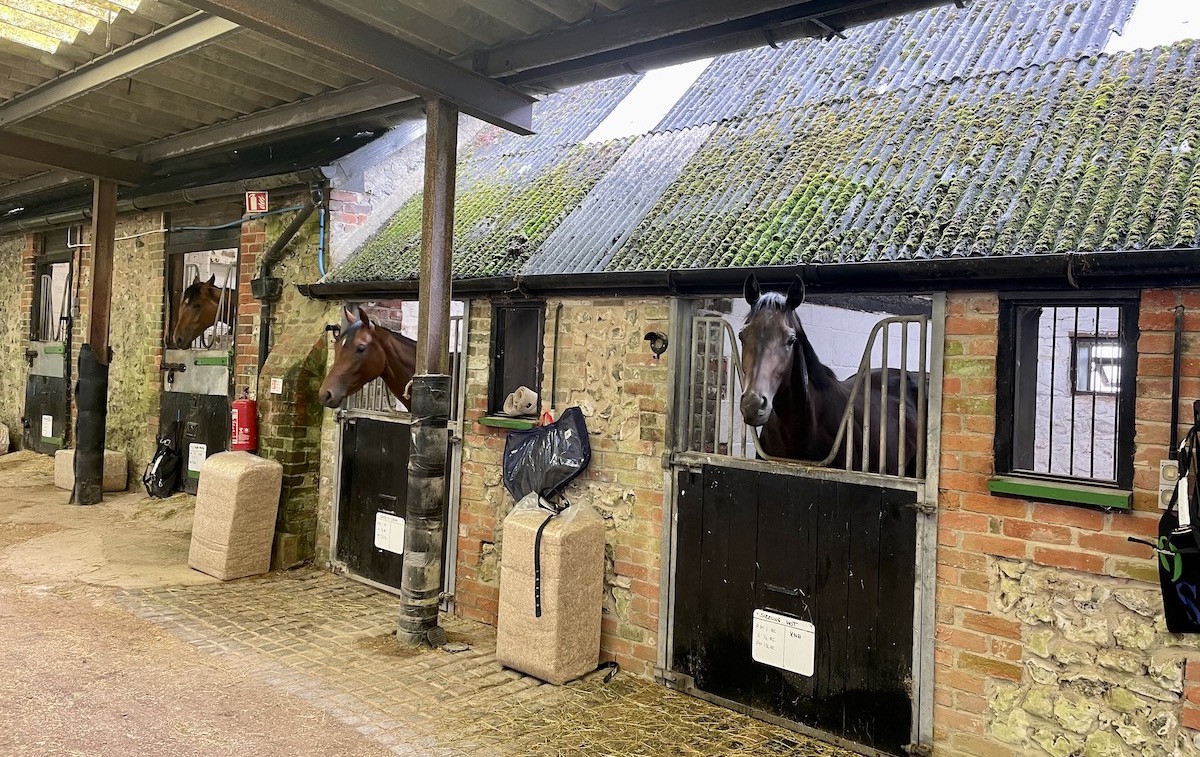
column 1158, row 22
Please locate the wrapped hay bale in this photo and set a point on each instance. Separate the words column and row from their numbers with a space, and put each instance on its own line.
column 564, row 642
column 116, row 470
column 234, row 523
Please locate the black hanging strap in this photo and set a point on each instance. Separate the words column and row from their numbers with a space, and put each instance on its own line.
column 537, row 555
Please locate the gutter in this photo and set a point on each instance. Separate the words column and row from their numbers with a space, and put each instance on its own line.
column 302, row 178
column 1093, row 270
column 267, row 288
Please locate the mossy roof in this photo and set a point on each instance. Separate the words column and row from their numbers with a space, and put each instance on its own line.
column 1000, row 131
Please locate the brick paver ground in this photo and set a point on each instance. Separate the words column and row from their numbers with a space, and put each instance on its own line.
column 327, row 639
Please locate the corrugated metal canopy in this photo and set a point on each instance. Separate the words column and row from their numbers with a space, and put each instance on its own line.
column 161, row 92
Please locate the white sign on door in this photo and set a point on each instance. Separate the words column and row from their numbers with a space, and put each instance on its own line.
column 784, row 642
column 47, row 426
column 197, row 454
column 389, row 532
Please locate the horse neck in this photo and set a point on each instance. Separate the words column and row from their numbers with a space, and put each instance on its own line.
column 806, row 422
column 401, row 361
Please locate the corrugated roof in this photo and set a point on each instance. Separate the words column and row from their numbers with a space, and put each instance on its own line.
column 1065, row 150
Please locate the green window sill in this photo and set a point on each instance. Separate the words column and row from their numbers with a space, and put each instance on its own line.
column 509, row 422
column 1060, row 491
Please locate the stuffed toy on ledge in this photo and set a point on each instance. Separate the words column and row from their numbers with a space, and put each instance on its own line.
column 523, row 401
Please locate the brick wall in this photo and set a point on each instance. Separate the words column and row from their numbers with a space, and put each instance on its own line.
column 607, row 370
column 135, row 335
column 347, row 211
column 1050, row 638
column 290, row 422
column 245, row 351
column 16, row 291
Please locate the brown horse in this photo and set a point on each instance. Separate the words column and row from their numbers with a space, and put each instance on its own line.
column 199, row 308
column 364, row 352
column 799, row 401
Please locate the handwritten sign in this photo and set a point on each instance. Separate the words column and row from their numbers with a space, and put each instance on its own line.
column 389, row 532
column 197, row 454
column 784, row 642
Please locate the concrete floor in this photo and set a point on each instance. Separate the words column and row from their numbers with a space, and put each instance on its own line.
column 115, row 647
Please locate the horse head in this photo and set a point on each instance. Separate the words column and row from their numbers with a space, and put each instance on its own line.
column 772, row 352
column 358, row 359
column 198, row 310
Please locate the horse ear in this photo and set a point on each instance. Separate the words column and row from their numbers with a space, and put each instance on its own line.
column 197, row 281
column 751, row 290
column 350, row 316
column 212, row 279
column 796, row 294
column 362, row 316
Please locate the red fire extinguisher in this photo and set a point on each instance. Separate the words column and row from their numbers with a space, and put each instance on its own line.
column 245, row 423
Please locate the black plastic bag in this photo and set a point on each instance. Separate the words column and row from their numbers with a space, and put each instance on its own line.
column 1178, row 549
column 547, row 458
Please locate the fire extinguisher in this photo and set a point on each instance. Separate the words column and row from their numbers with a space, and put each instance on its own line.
column 245, row 423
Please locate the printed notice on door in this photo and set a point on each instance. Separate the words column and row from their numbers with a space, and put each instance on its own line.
column 197, row 454
column 47, row 426
column 784, row 642
column 389, row 532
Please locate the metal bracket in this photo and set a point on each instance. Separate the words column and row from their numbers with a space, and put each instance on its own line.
column 673, row 680
column 666, row 460
column 30, row 356
column 925, row 508
column 919, row 750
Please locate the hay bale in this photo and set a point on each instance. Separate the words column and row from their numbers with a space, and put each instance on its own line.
column 564, row 643
column 5, row 442
column 234, row 522
column 116, row 470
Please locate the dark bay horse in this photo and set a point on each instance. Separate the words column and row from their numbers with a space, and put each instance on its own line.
column 799, row 402
column 200, row 307
column 364, row 352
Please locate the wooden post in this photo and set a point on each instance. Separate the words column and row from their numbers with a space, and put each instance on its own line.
column 104, row 232
column 421, row 576
column 92, row 415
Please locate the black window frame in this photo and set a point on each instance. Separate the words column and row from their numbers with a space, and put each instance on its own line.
column 502, row 338
column 1015, row 370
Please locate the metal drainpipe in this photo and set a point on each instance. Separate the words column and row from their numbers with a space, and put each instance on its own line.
column 268, row 289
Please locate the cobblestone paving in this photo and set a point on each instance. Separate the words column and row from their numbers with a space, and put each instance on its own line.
column 328, row 640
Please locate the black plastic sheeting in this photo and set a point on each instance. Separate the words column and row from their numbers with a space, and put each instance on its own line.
column 547, row 458
column 92, row 401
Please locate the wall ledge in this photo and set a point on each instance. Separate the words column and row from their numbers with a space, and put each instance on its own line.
column 1061, row 492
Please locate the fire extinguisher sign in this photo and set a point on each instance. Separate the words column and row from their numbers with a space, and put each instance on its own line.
column 256, row 202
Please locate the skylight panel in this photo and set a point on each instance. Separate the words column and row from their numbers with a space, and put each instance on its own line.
column 649, row 101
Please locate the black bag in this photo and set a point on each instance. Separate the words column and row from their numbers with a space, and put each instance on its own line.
column 1178, row 549
column 547, row 458
column 162, row 473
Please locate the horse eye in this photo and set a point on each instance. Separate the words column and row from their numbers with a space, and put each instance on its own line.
column 791, row 342
column 361, row 349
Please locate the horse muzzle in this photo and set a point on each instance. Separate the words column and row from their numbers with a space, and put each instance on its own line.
column 756, row 408
column 331, row 399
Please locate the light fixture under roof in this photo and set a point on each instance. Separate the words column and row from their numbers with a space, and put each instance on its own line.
column 46, row 24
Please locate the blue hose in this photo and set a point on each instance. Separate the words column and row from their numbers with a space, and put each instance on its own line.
column 321, row 244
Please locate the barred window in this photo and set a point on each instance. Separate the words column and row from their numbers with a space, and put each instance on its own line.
column 1065, row 388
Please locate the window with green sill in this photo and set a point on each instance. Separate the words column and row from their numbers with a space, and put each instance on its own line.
column 1065, row 391
column 516, row 359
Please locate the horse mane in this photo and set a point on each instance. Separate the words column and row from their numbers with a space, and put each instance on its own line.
column 359, row 324
column 820, row 376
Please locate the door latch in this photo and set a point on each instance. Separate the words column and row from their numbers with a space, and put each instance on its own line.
column 172, row 369
column 30, row 356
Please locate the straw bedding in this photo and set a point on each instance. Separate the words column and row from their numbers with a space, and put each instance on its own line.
column 564, row 643
column 234, row 522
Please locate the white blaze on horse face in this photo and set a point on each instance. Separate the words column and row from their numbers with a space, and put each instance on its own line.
column 766, row 361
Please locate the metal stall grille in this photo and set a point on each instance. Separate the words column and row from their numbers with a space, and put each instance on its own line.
column 714, row 421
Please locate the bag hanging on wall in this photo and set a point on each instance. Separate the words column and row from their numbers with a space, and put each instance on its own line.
column 162, row 472
column 1178, row 546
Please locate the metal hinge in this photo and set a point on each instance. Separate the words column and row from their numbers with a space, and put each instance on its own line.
column 925, row 508
column 673, row 680
column 666, row 460
column 919, row 749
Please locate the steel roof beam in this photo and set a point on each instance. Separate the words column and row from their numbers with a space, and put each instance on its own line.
column 348, row 41
column 171, row 41
column 72, row 159
column 673, row 25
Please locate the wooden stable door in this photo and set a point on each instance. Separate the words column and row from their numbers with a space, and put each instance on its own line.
column 839, row 556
